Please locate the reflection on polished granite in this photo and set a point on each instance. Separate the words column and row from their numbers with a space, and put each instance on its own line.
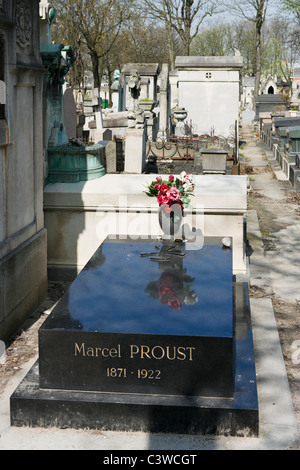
column 115, row 292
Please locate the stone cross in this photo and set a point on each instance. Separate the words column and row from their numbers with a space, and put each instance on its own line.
column 47, row 18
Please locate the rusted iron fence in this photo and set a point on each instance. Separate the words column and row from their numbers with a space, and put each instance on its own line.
column 184, row 147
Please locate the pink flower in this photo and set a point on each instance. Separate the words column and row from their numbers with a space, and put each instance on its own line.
column 158, row 178
column 157, row 186
column 173, row 194
column 171, row 178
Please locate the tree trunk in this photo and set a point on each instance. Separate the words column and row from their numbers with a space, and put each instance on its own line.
column 171, row 47
column 258, row 27
column 258, row 62
column 186, row 43
column 110, row 82
column 187, row 22
column 95, row 68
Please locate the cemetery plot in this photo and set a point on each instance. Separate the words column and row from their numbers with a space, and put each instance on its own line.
column 137, row 330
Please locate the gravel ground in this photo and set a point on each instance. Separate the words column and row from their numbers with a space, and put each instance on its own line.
column 278, row 209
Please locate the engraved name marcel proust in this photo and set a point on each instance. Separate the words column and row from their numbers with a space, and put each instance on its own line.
column 133, row 353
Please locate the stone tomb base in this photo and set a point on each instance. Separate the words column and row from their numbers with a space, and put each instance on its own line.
column 118, row 354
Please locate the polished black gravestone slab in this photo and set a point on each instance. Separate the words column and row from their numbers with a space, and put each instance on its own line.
column 239, row 416
column 138, row 322
column 127, row 363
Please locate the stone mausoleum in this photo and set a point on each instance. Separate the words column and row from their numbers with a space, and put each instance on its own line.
column 23, row 246
column 209, row 88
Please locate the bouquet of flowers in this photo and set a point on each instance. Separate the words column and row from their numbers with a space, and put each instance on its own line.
column 174, row 190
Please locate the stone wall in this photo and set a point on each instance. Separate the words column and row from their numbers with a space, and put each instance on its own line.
column 79, row 217
column 23, row 280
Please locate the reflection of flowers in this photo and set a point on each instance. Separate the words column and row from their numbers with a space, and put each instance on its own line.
column 173, row 289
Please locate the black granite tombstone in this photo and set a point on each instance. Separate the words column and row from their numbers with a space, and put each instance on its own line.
column 133, row 324
column 151, row 326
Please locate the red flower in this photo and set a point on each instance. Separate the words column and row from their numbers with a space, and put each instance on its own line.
column 167, row 209
column 164, row 188
column 162, row 199
column 174, row 304
column 165, row 290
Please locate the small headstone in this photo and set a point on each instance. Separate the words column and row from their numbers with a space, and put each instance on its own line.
column 70, row 117
column 107, row 134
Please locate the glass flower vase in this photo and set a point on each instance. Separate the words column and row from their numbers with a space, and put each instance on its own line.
column 170, row 218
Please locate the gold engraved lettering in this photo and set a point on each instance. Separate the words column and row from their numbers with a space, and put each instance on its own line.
column 96, row 351
column 181, row 353
column 158, row 352
column 145, row 350
column 80, row 350
column 105, row 352
column 116, row 372
column 133, row 350
column 191, row 352
column 171, row 353
column 115, row 352
column 90, row 352
column 148, row 374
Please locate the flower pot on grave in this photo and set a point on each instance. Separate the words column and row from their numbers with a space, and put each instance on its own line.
column 180, row 114
column 147, row 105
column 170, row 218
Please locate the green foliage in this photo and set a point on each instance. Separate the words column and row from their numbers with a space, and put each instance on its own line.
column 291, row 5
column 215, row 41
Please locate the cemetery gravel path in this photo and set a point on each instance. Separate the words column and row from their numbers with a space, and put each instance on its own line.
column 277, row 206
column 278, row 210
column 22, row 348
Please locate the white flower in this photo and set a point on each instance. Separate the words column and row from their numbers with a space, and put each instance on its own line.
column 188, row 182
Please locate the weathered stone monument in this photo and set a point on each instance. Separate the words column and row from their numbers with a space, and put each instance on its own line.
column 69, row 107
column 164, row 104
column 23, row 250
column 148, row 74
column 135, row 146
column 67, row 160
